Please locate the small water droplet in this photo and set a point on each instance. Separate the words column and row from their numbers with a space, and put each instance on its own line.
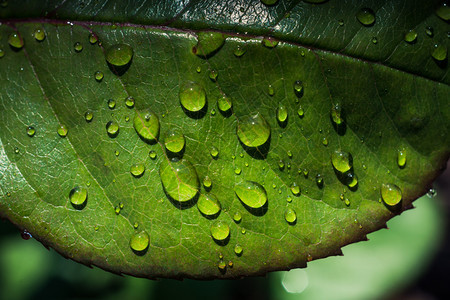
column 152, row 154
column 325, row 141
column 443, row 11
column 290, row 216
column 137, row 170
column 26, row 235
column 269, row 42
column 411, row 36
column 31, row 131
column 140, row 241
column 2, row 53
column 78, row 196
column 15, row 41
column 93, row 38
column 298, row 88
column 174, row 141
column 112, row 128
column 39, row 34
column 119, row 55
column 146, row 125
column 251, row 194
column 439, row 52
column 243, row 231
column 270, row 90
column 208, row 205
column 220, row 231
column 238, row 250
column 98, row 76
column 135, row 225
column 179, row 179
column 347, row 202
column 111, row 103
column 374, row 40
column 281, row 164
column 78, row 47
column 129, row 102
column 282, row 114
column 207, row 183
column 295, row 189
column 62, row 130
column 429, row 31
column 222, row 265
column 366, row 16
column 239, row 51
column 116, row 153
column 300, row 112
column 192, row 96
column 342, row 161
column 213, row 75
column 253, row 131
column 237, row 171
column 352, row 180
column 401, row 158
column 88, row 116
column 198, row 69
column 336, row 114
column 319, row 180
column 213, row 112
column 224, row 104
column 214, row 152
column 237, row 217
column 341, row 22
column 431, row 193
column 391, row 194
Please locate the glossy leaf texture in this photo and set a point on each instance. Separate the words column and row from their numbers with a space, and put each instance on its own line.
column 217, row 139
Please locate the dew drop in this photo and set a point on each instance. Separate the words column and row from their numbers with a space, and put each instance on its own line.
column 366, row 16
column 401, row 158
column 431, row 193
column 111, row 103
column 253, row 131
column 152, row 154
column 281, row 164
column 319, row 180
column 239, row 51
column 269, row 42
column 352, row 180
column 88, row 116
column 192, row 96
column 295, row 189
column 298, row 88
column 39, row 34
column 237, row 217
column 62, row 130
column 220, row 231
column 214, row 152
column 411, row 36
column 174, row 141
column 213, row 75
column 289, row 153
column 31, row 131
column 282, row 114
column 342, row 161
column 439, row 52
column 208, row 205
column 137, row 170
column 341, row 22
column 26, row 235
column 391, row 194
column 429, row 31
column 207, row 183
column 179, row 179
column 325, row 141
column 129, row 102
column 208, row 44
column 238, row 250
column 443, row 11
column 336, row 114
column 243, row 231
column 270, row 90
column 224, row 104
column 374, row 40
column 146, row 125
column 119, row 55
column 98, row 76
column 112, row 128
column 93, row 39
column 139, row 242
column 199, row 69
column 2, row 53
column 290, row 216
column 15, row 41
column 78, row 47
column 222, row 265
column 237, row 171
column 347, row 201
column 251, row 194
column 78, row 196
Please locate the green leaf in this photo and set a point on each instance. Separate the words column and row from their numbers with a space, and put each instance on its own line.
column 84, row 131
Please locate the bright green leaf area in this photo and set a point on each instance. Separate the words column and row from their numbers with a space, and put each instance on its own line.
column 393, row 97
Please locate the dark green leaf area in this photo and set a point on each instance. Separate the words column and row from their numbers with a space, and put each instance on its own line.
column 130, row 220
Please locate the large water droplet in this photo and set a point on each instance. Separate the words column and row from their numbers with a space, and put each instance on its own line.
column 192, row 96
column 224, row 104
column 439, row 53
column 146, row 124
column 78, row 196
column 137, row 170
column 139, row 242
column 15, row 41
column 31, row 131
column 391, row 194
column 411, row 36
column 119, row 55
column 269, row 42
column 253, row 131
column 290, row 216
column 208, row 43
column 112, row 128
column 179, row 179
column 401, row 158
column 251, row 194
column 366, row 16
column 220, row 231
column 208, row 205
column 62, row 130
column 342, row 161
column 39, row 34
column 174, row 141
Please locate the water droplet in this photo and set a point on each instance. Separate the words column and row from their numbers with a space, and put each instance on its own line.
column 401, row 158
column 237, row 217
column 62, row 130
column 295, row 189
column 220, row 231
column 116, row 153
column 179, row 179
column 290, row 216
column 88, row 116
column 174, row 141
column 347, row 202
column 98, row 76
column 253, row 131
column 207, row 183
column 222, row 265
column 93, row 39
column 238, row 250
column 26, row 235
column 336, row 112
column 199, row 69
column 319, row 180
column 129, row 102
column 366, row 16
column 39, row 34
column 243, row 231
column 391, row 194
column 224, row 104
column 429, row 31
column 411, row 36
column 325, row 141
column 431, row 193
column 300, row 112
column 269, row 42
column 352, row 180
column 140, row 241
column 152, row 154
column 137, row 170
column 135, row 225
column 214, row 152
column 117, row 210
column 208, row 43
column 298, row 88
column 15, row 41
column 443, row 11
column 78, row 196
column 213, row 75
column 213, row 112
column 237, row 171
column 119, row 55
column 192, row 96
column 251, row 194
column 282, row 114
column 146, row 125
column 439, row 52
column 112, row 128
column 78, row 47
column 31, row 131
column 281, row 164
column 2, row 53
column 208, row 205
column 341, row 22
column 342, row 161
column 239, row 51
column 374, row 40
column 270, row 90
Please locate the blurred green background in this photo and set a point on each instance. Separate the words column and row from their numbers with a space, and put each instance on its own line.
column 411, row 260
